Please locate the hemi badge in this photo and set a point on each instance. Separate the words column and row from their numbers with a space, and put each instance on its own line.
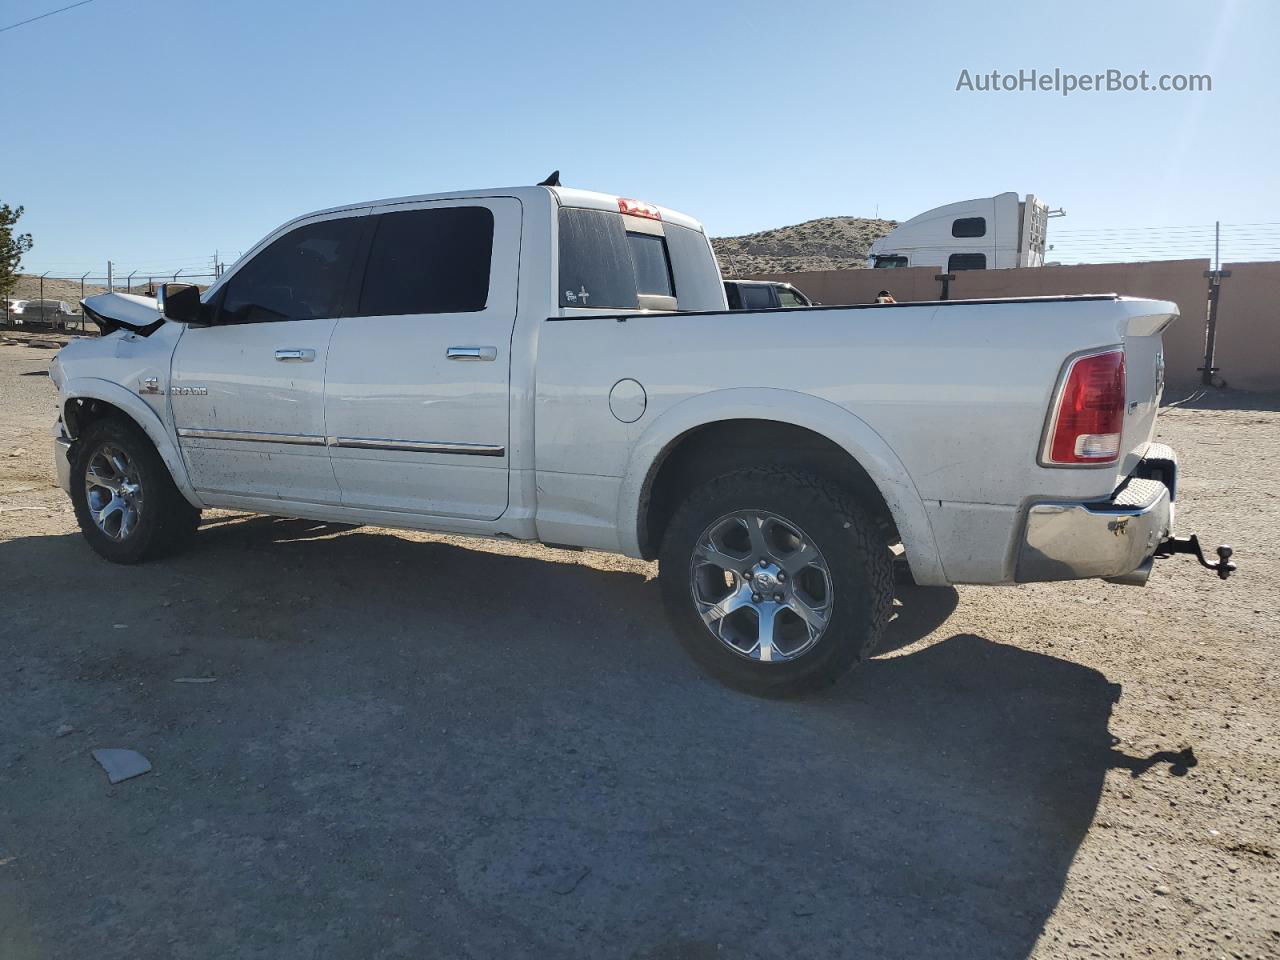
column 151, row 385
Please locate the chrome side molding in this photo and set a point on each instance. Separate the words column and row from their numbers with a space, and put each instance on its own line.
column 353, row 443
column 420, row 446
column 303, row 439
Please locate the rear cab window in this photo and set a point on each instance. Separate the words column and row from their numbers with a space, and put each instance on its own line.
column 617, row 261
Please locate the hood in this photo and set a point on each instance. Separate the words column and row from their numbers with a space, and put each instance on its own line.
column 123, row 311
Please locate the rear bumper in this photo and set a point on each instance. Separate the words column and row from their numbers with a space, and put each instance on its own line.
column 1074, row 540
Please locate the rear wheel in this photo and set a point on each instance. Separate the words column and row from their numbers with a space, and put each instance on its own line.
column 776, row 581
column 125, row 500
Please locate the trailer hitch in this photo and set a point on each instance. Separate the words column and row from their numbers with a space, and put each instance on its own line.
column 1191, row 545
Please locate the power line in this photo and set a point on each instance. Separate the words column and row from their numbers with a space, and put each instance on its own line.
column 22, row 23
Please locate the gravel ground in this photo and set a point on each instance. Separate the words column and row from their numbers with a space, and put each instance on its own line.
column 419, row 746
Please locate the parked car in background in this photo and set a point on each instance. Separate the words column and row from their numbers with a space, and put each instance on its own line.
column 557, row 365
column 763, row 295
column 13, row 309
column 54, row 313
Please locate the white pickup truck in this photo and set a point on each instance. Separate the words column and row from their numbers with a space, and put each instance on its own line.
column 551, row 364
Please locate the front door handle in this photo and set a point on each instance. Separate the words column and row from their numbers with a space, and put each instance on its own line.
column 472, row 353
column 295, row 356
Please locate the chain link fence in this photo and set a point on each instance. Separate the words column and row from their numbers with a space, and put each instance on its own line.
column 51, row 302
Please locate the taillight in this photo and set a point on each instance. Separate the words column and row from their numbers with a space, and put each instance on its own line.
column 1089, row 416
column 634, row 208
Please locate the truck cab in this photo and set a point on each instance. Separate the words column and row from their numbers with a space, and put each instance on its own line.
column 991, row 233
column 549, row 364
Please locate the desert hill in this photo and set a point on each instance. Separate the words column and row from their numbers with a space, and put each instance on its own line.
column 828, row 243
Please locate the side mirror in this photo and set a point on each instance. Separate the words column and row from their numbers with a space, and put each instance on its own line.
column 179, row 302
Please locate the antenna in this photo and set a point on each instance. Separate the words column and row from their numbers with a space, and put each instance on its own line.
column 551, row 181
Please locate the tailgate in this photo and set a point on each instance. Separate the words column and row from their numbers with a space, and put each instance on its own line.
column 1142, row 327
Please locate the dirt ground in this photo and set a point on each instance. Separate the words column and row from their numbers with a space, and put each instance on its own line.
column 420, row 746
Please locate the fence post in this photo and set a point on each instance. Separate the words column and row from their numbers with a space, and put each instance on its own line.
column 945, row 279
column 1215, row 278
column 82, row 304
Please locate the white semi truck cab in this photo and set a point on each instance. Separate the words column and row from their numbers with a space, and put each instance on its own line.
column 991, row 233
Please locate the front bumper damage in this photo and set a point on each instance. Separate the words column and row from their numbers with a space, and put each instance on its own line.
column 1115, row 539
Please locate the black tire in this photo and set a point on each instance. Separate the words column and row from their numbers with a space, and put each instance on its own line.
column 165, row 519
column 849, row 541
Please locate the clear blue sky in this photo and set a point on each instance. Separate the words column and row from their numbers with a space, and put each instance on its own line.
column 160, row 130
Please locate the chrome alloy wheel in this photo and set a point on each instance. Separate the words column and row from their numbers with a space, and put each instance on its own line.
column 761, row 586
column 114, row 492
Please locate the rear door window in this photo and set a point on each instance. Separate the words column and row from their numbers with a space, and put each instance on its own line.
column 595, row 260
column 299, row 276
column 428, row 261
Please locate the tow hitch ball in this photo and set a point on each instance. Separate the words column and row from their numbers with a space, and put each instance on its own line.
column 1191, row 545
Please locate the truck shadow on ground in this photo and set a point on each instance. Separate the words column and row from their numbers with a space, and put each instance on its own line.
column 413, row 744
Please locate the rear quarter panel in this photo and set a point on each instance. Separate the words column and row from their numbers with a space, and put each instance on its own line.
column 958, row 392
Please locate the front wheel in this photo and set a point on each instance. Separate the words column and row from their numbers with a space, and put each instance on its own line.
column 125, row 500
column 776, row 581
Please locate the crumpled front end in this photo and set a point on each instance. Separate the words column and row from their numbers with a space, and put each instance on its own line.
column 123, row 311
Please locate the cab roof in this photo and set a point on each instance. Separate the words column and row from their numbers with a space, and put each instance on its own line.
column 564, row 196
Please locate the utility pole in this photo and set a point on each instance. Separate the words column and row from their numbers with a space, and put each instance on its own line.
column 1215, row 278
column 42, row 276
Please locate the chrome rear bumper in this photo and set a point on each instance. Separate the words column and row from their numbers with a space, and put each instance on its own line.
column 1110, row 538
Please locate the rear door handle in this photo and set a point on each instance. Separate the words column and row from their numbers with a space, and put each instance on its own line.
column 295, row 356
column 472, row 353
